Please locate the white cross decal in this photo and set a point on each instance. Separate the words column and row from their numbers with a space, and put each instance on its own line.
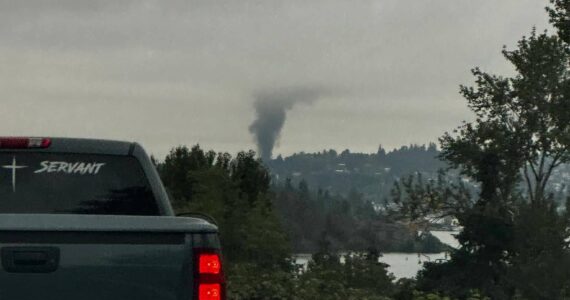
column 14, row 167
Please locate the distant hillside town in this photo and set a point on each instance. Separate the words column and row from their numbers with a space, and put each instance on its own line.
column 372, row 175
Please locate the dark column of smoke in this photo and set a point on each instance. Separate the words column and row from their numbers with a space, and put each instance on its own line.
column 271, row 110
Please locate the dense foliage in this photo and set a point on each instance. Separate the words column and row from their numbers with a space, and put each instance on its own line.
column 346, row 223
column 236, row 192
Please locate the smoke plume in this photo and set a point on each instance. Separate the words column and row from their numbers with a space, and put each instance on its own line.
column 271, row 109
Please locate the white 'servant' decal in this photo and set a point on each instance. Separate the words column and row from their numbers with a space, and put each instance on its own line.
column 81, row 168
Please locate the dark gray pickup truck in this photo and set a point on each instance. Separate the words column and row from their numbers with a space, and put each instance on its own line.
column 89, row 219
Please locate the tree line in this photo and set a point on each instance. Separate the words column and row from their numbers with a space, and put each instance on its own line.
column 236, row 192
column 372, row 175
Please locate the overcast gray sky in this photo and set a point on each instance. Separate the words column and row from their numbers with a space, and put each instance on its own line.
column 166, row 73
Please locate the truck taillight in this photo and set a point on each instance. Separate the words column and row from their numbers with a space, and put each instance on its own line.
column 210, row 281
column 207, row 291
column 23, row 142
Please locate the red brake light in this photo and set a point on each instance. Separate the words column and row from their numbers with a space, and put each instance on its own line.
column 24, row 143
column 209, row 264
column 210, row 292
column 209, row 275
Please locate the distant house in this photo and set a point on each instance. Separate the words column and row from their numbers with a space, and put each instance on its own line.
column 341, row 168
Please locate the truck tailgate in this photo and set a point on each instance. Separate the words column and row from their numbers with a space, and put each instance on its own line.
column 96, row 257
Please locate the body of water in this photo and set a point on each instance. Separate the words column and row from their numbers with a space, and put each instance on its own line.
column 404, row 265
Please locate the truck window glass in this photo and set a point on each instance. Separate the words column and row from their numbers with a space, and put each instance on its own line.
column 74, row 183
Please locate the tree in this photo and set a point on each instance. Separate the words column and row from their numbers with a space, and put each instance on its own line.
column 540, row 267
column 251, row 178
column 560, row 17
column 236, row 192
column 523, row 122
column 360, row 277
column 520, row 135
column 173, row 172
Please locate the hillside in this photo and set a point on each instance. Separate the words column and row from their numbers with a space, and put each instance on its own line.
column 372, row 175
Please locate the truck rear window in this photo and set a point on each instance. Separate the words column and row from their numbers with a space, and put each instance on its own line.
column 74, row 183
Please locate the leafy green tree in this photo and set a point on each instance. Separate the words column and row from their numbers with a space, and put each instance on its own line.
column 520, row 136
column 540, row 267
column 363, row 271
column 249, row 281
column 174, row 171
column 522, row 124
column 360, row 277
column 251, row 178
column 473, row 295
column 235, row 191
column 559, row 14
column 324, row 278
